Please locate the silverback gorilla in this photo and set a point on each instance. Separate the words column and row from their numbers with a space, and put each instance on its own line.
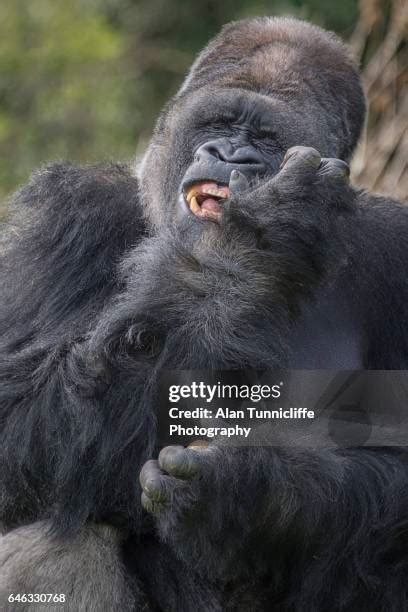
column 238, row 239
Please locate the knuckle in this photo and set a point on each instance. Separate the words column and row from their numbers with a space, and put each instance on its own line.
column 171, row 456
column 148, row 471
column 149, row 504
column 152, row 485
column 334, row 167
column 303, row 154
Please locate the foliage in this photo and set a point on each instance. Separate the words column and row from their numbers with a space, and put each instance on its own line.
column 60, row 86
column 84, row 80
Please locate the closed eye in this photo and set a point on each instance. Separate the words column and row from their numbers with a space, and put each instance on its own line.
column 267, row 133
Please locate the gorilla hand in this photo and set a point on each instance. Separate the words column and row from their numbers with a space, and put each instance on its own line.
column 193, row 495
column 202, row 498
column 319, row 185
column 169, row 476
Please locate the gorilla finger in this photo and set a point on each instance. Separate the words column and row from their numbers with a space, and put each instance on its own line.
column 180, row 462
column 299, row 162
column 150, row 505
column 151, row 480
column 238, row 182
column 149, row 471
column 334, row 168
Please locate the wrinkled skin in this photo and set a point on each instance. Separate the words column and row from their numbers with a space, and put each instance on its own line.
column 239, row 244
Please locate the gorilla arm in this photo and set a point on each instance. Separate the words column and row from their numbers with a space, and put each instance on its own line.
column 288, row 516
column 70, row 226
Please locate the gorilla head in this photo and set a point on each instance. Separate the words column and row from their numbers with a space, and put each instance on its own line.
column 259, row 88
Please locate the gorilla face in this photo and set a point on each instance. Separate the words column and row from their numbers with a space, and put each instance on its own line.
column 252, row 94
column 207, row 135
column 237, row 133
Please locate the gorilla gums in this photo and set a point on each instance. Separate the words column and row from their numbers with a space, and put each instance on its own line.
column 239, row 240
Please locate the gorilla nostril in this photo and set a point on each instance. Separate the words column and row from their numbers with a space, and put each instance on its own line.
column 219, row 150
column 214, row 152
column 246, row 155
column 223, row 150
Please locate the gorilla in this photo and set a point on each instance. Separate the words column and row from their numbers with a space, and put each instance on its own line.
column 237, row 243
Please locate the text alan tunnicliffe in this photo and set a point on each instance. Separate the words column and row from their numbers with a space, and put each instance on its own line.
column 207, row 422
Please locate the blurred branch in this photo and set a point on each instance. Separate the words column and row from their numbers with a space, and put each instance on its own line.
column 381, row 162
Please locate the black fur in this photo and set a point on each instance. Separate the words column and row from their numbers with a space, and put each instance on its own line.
column 104, row 284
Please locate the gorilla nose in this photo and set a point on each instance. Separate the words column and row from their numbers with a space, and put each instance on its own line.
column 223, row 150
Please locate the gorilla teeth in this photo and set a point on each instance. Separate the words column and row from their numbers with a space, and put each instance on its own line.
column 194, row 205
column 203, row 200
column 205, row 190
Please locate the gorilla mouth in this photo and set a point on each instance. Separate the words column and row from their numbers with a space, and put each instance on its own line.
column 204, row 200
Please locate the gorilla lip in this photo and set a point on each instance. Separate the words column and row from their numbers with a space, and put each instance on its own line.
column 204, row 200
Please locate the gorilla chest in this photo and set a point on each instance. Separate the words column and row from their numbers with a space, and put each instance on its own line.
column 327, row 336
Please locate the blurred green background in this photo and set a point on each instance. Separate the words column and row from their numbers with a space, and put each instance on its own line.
column 84, row 79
